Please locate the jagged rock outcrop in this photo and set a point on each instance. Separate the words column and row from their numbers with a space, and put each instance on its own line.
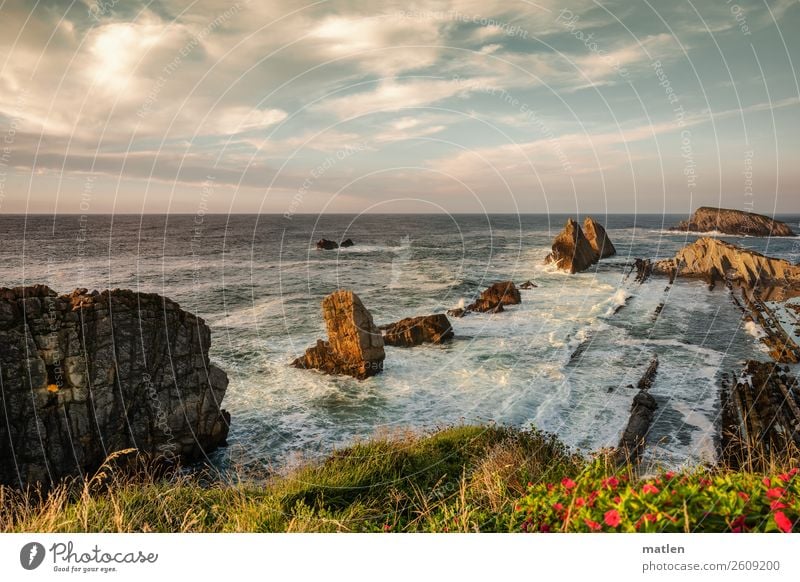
column 355, row 344
column 528, row 285
column 760, row 416
column 495, row 297
column 571, row 250
column 88, row 374
column 634, row 437
column 735, row 222
column 713, row 259
column 327, row 245
column 346, row 243
column 413, row 331
column 598, row 239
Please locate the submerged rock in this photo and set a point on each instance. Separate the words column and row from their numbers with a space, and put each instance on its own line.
column 598, row 239
column 348, row 242
column 571, row 250
column 495, row 297
column 327, row 245
column 355, row 344
column 88, row 374
column 528, row 285
column 414, row 331
column 713, row 259
column 735, row 222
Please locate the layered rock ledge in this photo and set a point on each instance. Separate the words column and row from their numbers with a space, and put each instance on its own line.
column 713, row 259
column 88, row 374
column 413, row 331
column 735, row 222
column 355, row 344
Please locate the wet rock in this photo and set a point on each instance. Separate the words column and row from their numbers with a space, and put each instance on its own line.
column 88, row 374
column 734, row 222
column 348, row 242
column 634, row 437
column 457, row 312
column 414, row 331
column 528, row 285
column 327, row 245
column 495, row 297
column 355, row 344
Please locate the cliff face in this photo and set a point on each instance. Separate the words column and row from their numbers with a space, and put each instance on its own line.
column 716, row 259
column 87, row 374
column 571, row 250
column 355, row 344
column 597, row 237
column 735, row 222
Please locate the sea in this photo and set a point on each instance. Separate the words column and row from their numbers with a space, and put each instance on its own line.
column 565, row 360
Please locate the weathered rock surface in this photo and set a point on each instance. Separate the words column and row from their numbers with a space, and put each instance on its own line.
column 597, row 237
column 413, row 331
column 735, row 222
column 634, row 437
column 88, row 374
column 760, row 416
column 355, row 344
column 495, row 297
column 571, row 250
column 327, row 245
column 713, row 259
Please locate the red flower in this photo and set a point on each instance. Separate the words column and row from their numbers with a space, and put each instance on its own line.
column 669, row 475
column 737, row 525
column 611, row 482
column 612, row 518
column 705, row 482
column 593, row 525
column 794, row 472
column 649, row 488
column 744, row 496
column 544, row 528
column 567, row 483
column 386, row 527
column 651, row 517
column 766, row 481
column 783, row 522
column 558, row 507
column 777, row 505
column 774, row 493
column 785, row 477
column 617, row 499
column 580, row 502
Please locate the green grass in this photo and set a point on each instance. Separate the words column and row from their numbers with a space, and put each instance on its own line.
column 460, row 479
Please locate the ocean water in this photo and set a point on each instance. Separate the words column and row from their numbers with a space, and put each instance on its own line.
column 561, row 360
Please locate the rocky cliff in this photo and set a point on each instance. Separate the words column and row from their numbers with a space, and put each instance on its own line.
column 735, row 222
column 355, row 344
column 598, row 239
column 714, row 259
column 413, row 331
column 571, row 250
column 87, row 374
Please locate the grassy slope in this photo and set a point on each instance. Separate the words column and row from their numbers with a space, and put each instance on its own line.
column 466, row 478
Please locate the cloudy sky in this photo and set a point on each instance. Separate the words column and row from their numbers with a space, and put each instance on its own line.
column 359, row 106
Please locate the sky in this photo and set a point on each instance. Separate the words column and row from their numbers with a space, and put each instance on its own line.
column 451, row 106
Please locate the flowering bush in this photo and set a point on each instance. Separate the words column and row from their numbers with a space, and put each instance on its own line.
column 695, row 501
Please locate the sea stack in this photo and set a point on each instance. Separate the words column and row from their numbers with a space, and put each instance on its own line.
column 598, row 239
column 90, row 373
column 734, row 222
column 355, row 344
column 571, row 250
